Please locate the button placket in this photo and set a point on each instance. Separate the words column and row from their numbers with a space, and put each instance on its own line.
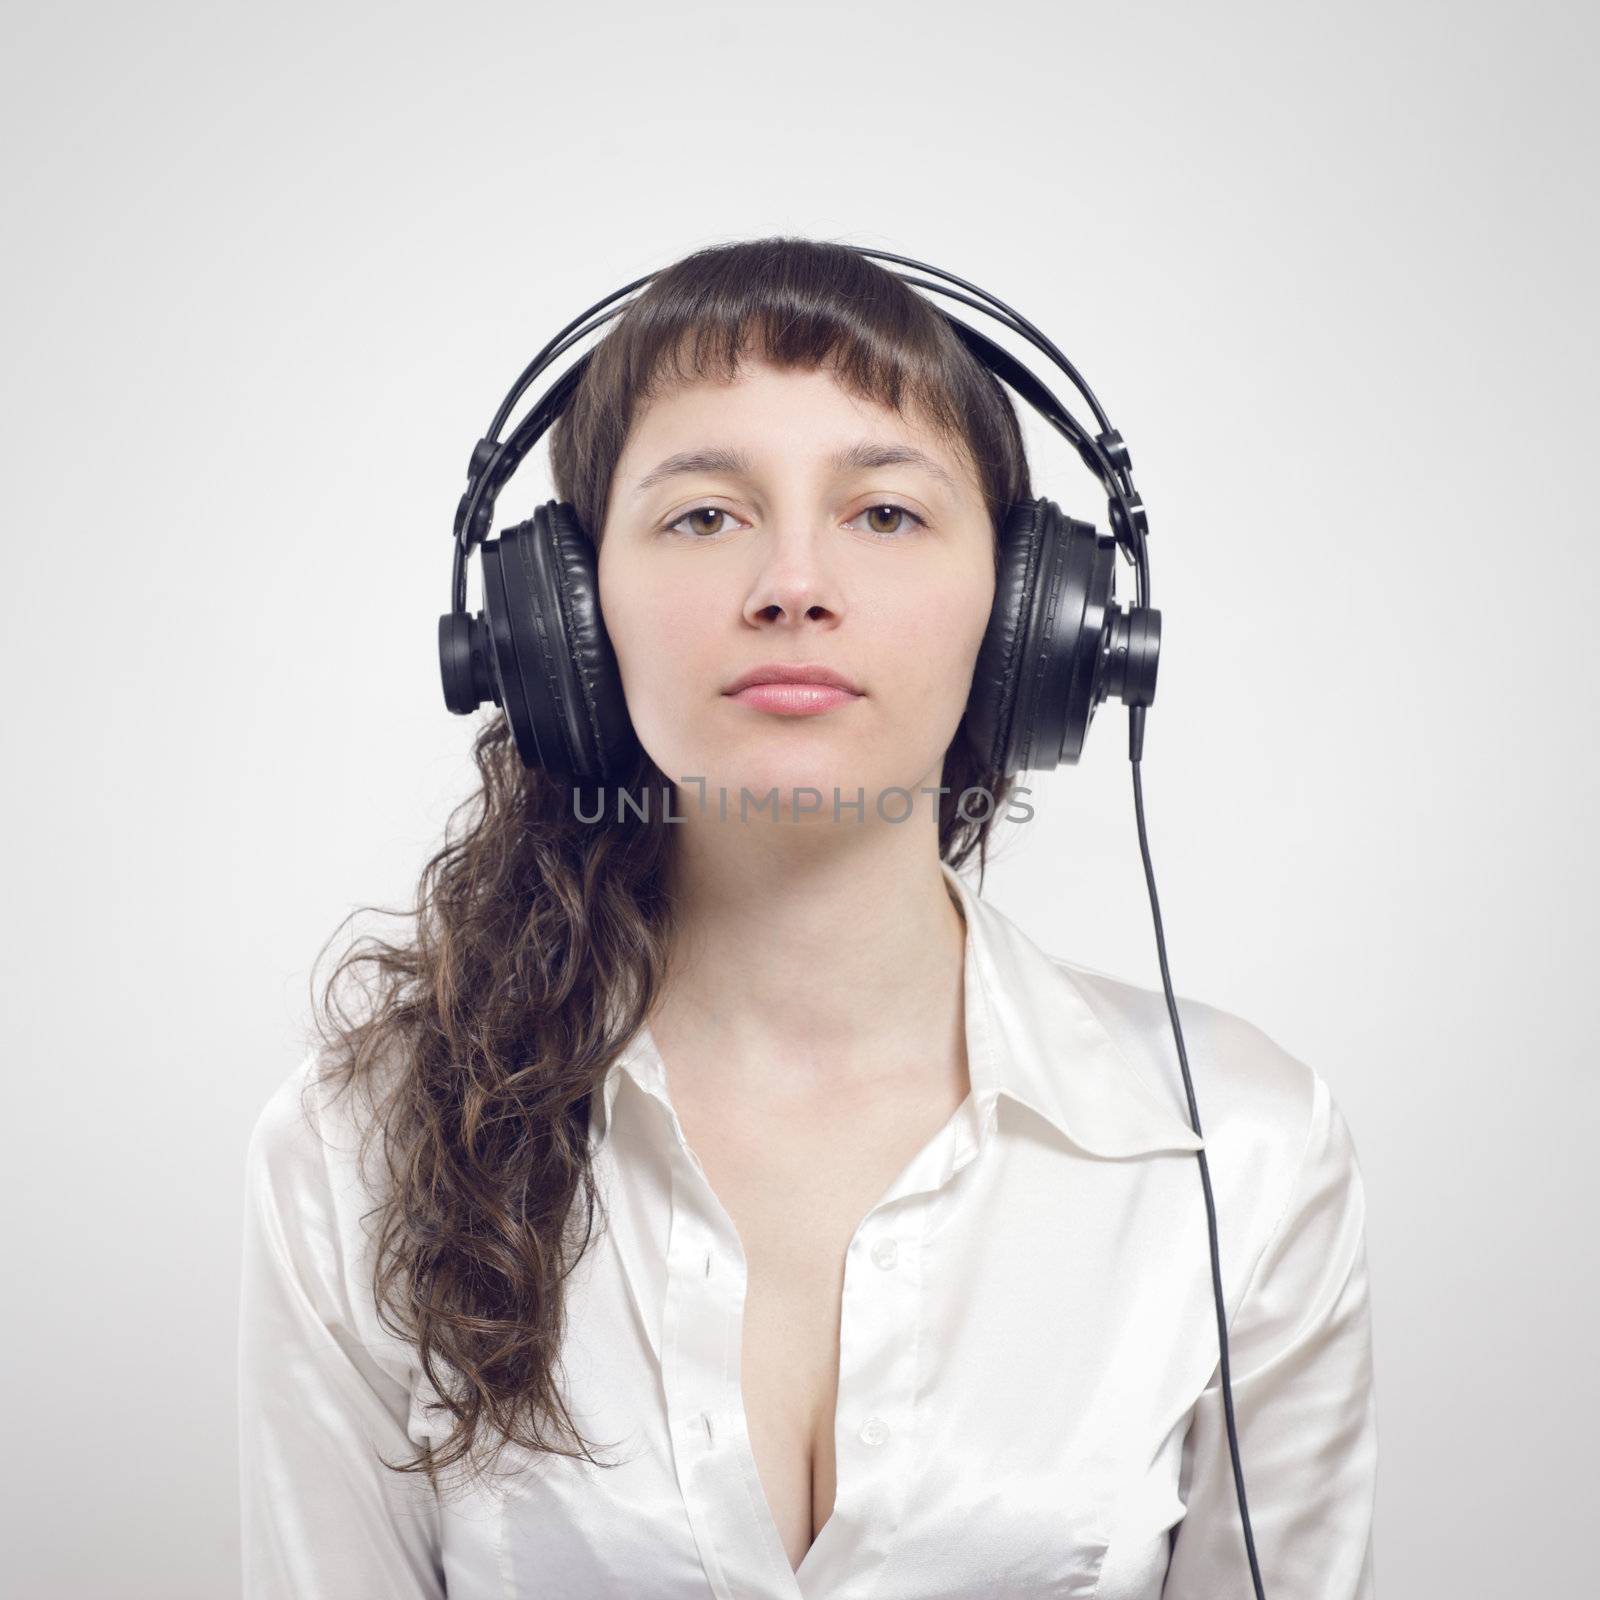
column 880, row 1340
column 700, row 1363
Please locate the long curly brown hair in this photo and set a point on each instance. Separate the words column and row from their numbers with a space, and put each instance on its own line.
column 541, row 942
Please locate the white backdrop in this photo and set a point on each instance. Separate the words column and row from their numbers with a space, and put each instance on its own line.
column 1329, row 268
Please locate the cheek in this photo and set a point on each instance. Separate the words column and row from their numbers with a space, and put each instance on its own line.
column 936, row 641
column 662, row 632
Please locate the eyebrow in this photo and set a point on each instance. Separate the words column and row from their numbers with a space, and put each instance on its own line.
column 859, row 457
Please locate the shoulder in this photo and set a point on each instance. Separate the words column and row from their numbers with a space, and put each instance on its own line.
column 1255, row 1098
column 289, row 1144
column 314, row 1206
column 288, row 1118
column 1273, row 1131
column 311, row 1131
column 1252, row 1092
column 313, row 1167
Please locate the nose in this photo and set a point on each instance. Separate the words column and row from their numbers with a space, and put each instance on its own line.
column 794, row 582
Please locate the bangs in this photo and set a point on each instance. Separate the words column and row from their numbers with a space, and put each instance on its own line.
column 798, row 304
column 890, row 367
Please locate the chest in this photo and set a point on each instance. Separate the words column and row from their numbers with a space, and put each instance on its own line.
column 797, row 1195
column 1007, row 1396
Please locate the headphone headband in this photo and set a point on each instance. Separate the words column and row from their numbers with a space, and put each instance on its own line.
column 494, row 460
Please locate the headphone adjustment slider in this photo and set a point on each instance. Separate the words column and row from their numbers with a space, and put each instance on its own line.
column 480, row 521
column 1125, row 518
column 1111, row 442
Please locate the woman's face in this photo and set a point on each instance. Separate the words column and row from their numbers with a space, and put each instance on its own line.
column 793, row 546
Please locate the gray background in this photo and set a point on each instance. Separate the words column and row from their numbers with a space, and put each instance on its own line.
column 1328, row 268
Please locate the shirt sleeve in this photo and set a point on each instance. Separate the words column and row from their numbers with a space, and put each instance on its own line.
column 1300, row 1362
column 322, row 1390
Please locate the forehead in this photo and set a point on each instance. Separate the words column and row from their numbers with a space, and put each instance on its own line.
column 732, row 423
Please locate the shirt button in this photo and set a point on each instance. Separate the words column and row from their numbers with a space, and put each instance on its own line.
column 884, row 1252
column 874, row 1430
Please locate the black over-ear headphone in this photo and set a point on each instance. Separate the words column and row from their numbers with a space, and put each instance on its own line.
column 1057, row 643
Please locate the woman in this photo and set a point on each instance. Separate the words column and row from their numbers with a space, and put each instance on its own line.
column 717, row 1196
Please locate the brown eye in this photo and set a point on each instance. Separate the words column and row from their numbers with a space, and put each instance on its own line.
column 698, row 526
column 889, row 512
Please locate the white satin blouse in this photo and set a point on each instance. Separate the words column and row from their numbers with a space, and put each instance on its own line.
column 1029, row 1393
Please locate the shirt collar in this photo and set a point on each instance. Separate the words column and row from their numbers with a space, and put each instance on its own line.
column 1031, row 1035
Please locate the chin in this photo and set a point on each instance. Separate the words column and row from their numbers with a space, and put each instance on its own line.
column 798, row 777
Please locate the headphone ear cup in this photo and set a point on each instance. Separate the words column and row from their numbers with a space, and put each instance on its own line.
column 561, row 689
column 1035, row 681
column 991, row 704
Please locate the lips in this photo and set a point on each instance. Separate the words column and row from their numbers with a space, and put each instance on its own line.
column 780, row 672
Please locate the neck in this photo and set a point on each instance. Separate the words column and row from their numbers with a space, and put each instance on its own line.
column 828, row 972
